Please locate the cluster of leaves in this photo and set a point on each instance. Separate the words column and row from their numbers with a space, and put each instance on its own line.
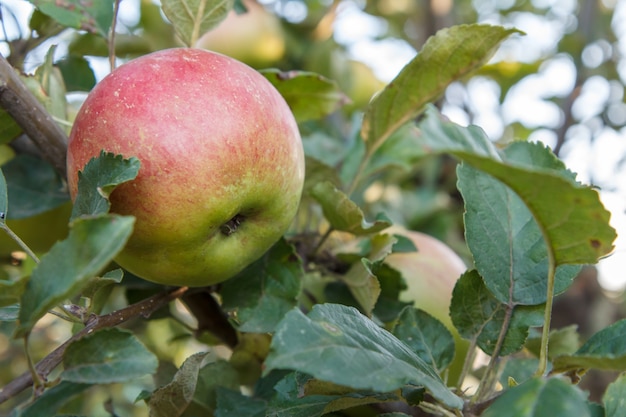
column 354, row 347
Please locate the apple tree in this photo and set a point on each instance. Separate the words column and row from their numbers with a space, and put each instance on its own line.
column 349, row 312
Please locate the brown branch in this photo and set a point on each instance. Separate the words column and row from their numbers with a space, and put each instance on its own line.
column 32, row 117
column 211, row 317
column 142, row 308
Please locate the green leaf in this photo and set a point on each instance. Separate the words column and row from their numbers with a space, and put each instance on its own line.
column 299, row 395
column 389, row 306
column 231, row 403
column 332, row 338
column 449, row 55
column 92, row 16
column 172, row 399
column 519, row 370
column 212, row 377
column 11, row 290
column 426, row 336
column 539, row 398
column 604, row 350
column 98, row 179
column 596, row 410
column 401, row 151
column 50, row 87
column 99, row 289
column 77, row 73
column 506, row 243
column 51, row 400
column 342, row 213
column 309, row 95
column 266, row 290
column 33, row 187
column 107, row 356
column 9, row 129
column 614, row 398
column 573, row 221
column 92, row 243
column 478, row 315
column 565, row 341
column 193, row 18
column 317, row 172
column 361, row 277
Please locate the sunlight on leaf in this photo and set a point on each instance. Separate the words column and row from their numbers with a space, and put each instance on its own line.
column 92, row 16
column 193, row 18
column 570, row 215
column 342, row 213
column 449, row 55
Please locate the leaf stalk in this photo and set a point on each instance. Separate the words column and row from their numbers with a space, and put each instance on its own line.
column 545, row 334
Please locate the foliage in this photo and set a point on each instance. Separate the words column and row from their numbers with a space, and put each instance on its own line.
column 316, row 326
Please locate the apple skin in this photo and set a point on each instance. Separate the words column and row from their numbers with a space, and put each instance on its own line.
column 222, row 163
column 430, row 273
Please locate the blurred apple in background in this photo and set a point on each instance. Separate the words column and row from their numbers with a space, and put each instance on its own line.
column 430, row 273
column 254, row 37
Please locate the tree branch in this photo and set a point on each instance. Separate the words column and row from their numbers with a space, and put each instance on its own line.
column 143, row 308
column 210, row 317
column 32, row 117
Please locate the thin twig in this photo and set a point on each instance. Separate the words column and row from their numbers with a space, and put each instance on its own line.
column 485, row 388
column 19, row 241
column 116, row 10
column 143, row 308
column 545, row 334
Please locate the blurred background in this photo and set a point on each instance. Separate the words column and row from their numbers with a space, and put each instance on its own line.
column 562, row 83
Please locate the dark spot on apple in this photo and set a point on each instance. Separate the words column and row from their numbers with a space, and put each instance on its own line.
column 232, row 225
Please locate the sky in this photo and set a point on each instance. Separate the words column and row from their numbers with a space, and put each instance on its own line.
column 592, row 151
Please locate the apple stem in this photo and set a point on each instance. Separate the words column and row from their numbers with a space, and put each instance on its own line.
column 232, row 225
column 19, row 241
column 323, row 240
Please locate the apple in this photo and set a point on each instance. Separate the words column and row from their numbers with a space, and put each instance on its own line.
column 222, row 163
column 430, row 273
